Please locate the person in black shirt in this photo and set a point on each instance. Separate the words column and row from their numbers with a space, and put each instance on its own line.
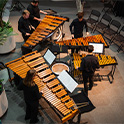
column 35, row 13
column 78, row 25
column 31, row 96
column 24, row 25
column 88, row 67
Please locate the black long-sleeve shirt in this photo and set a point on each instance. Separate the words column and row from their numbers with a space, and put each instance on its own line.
column 78, row 26
column 24, row 25
column 31, row 94
column 34, row 12
column 89, row 64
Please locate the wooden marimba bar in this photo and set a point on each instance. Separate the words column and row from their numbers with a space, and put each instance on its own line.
column 48, row 25
column 104, row 60
column 53, row 91
column 84, row 41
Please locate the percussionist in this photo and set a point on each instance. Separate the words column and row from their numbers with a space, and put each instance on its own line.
column 24, row 25
column 88, row 67
column 78, row 25
column 34, row 13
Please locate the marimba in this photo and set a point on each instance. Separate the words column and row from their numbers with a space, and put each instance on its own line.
column 47, row 26
column 104, row 60
column 84, row 41
column 53, row 91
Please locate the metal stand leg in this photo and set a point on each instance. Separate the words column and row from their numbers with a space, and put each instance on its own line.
column 120, row 48
column 79, row 118
column 110, row 74
column 10, row 79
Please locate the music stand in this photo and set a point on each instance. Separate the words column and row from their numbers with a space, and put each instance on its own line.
column 98, row 47
column 83, row 103
column 17, row 5
column 59, row 49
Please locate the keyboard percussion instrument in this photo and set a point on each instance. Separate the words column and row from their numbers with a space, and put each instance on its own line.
column 83, row 41
column 46, row 27
column 104, row 60
column 53, row 91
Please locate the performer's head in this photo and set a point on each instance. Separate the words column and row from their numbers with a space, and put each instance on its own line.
column 35, row 2
column 25, row 14
column 80, row 16
column 28, row 81
column 90, row 48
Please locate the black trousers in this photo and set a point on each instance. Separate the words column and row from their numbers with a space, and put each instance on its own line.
column 86, row 78
column 32, row 111
column 25, row 37
column 77, row 49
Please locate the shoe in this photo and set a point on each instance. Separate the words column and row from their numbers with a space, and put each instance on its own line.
column 89, row 88
column 27, row 118
column 34, row 121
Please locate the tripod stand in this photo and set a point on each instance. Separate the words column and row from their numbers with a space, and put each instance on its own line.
column 17, row 5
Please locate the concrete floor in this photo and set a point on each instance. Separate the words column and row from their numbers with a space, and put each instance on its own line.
column 107, row 98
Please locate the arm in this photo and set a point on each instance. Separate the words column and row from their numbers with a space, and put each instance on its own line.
column 97, row 63
column 38, row 95
column 71, row 25
column 35, row 18
column 85, row 23
column 32, row 14
column 41, row 11
column 33, row 27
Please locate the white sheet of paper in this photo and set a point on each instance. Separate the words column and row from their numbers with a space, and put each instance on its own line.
column 67, row 81
column 98, row 47
column 49, row 57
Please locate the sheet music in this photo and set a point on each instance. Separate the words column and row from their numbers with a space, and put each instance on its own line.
column 49, row 57
column 67, row 81
column 98, row 47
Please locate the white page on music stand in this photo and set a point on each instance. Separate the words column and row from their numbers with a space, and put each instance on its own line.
column 49, row 57
column 67, row 81
column 98, row 47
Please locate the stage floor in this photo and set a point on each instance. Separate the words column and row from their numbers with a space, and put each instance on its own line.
column 107, row 98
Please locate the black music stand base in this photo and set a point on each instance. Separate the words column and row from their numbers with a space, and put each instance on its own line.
column 83, row 103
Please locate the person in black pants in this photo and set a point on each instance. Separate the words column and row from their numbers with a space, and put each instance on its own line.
column 78, row 25
column 31, row 97
column 24, row 25
column 35, row 13
column 88, row 67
